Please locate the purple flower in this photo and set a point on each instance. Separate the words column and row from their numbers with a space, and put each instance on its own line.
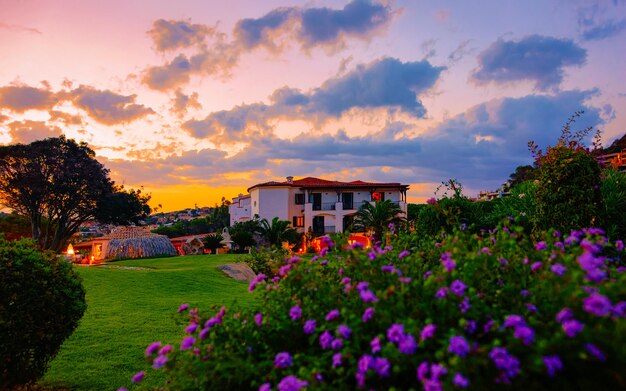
column 191, row 328
column 362, row 285
column 326, row 339
column 459, row 346
column 183, row 307
column 531, row 307
column 336, row 360
column 309, row 326
column 368, row 314
column 458, row 287
column 597, row 304
column 336, row 344
column 535, row 266
column 513, row 321
column 407, row 345
column 447, row 262
column 166, row 349
column 540, row 246
column 375, row 344
column 460, row 381
column 204, row 332
column 465, row 305
column 332, row 315
column 345, row 280
column 344, row 331
column 368, row 296
column 187, row 343
column 138, row 377
column 553, row 364
column 427, row 332
column 558, row 269
column 619, row 245
column 159, row 362
column 564, row 314
column 381, row 366
column 387, row 269
column 365, row 362
column 525, row 333
column 441, row 293
column 258, row 318
column 405, row 280
column 395, row 333
column 427, row 274
column 403, row 254
column 594, row 351
column 470, row 327
column 295, row 312
column 619, row 309
column 282, row 360
column 505, row 362
column 257, row 279
column 265, row 387
column 571, row 327
column 291, row 383
column 422, row 371
column 153, row 348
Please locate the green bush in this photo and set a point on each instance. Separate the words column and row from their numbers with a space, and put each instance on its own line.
column 493, row 310
column 265, row 261
column 613, row 188
column 520, row 204
column 41, row 302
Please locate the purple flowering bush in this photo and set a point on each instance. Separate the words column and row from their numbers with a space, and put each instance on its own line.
column 479, row 311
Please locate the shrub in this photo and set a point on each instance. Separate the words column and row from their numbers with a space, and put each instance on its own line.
column 488, row 310
column 41, row 302
column 613, row 188
column 265, row 261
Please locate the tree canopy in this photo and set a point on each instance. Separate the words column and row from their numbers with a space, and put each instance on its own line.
column 377, row 217
column 58, row 185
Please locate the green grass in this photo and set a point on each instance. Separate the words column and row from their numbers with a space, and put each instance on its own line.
column 128, row 309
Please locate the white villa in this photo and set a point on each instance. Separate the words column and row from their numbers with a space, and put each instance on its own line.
column 321, row 205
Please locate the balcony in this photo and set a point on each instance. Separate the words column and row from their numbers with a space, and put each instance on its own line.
column 324, row 206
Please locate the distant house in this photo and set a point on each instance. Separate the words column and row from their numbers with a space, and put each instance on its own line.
column 320, row 205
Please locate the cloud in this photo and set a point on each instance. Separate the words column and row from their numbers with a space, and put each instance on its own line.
column 325, row 26
column 181, row 103
column 18, row 28
column 534, row 58
column 604, row 30
column 66, row 118
column 28, row 131
column 384, row 83
column 216, row 56
column 21, row 98
column 106, row 107
column 177, row 34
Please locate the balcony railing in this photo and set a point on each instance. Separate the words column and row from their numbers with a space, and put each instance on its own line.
column 328, row 206
column 329, row 229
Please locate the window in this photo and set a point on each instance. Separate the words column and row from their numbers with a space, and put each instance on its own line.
column 298, row 221
column 378, row 196
column 300, row 199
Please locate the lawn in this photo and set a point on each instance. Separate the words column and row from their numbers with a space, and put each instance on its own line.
column 129, row 308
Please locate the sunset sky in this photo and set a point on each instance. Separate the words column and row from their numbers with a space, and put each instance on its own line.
column 195, row 100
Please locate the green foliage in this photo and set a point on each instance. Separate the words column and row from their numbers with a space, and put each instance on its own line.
column 278, row 231
column 41, row 302
column 122, row 207
column 497, row 290
column 213, row 242
column 568, row 195
column 375, row 218
column 613, row 189
column 14, row 226
column 520, row 205
column 265, row 261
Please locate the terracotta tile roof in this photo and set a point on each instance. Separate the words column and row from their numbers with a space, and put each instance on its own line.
column 323, row 183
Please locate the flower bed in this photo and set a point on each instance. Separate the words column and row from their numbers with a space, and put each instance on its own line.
column 478, row 311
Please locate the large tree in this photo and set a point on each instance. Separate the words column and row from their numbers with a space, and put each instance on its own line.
column 58, row 185
column 376, row 218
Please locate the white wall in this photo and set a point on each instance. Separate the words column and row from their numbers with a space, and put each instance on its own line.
column 240, row 209
column 273, row 202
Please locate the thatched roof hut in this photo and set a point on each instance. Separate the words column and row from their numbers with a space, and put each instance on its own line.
column 137, row 242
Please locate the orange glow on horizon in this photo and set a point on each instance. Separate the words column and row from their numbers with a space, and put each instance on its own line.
column 179, row 197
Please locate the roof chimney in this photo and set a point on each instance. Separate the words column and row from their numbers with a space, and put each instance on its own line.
column 290, row 180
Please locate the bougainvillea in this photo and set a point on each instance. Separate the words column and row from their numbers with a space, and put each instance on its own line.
column 515, row 312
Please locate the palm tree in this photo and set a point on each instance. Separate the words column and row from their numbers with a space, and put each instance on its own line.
column 375, row 218
column 213, row 242
column 278, row 231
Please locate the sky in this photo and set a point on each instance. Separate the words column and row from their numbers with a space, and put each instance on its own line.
column 199, row 100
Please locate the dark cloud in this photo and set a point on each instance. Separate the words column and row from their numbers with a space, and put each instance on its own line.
column 181, row 103
column 22, row 98
column 177, row 34
column 216, row 56
column 105, row 106
column 251, row 33
column 28, row 131
column 66, row 118
column 325, row 26
column 385, row 83
column 604, row 30
column 534, row 58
